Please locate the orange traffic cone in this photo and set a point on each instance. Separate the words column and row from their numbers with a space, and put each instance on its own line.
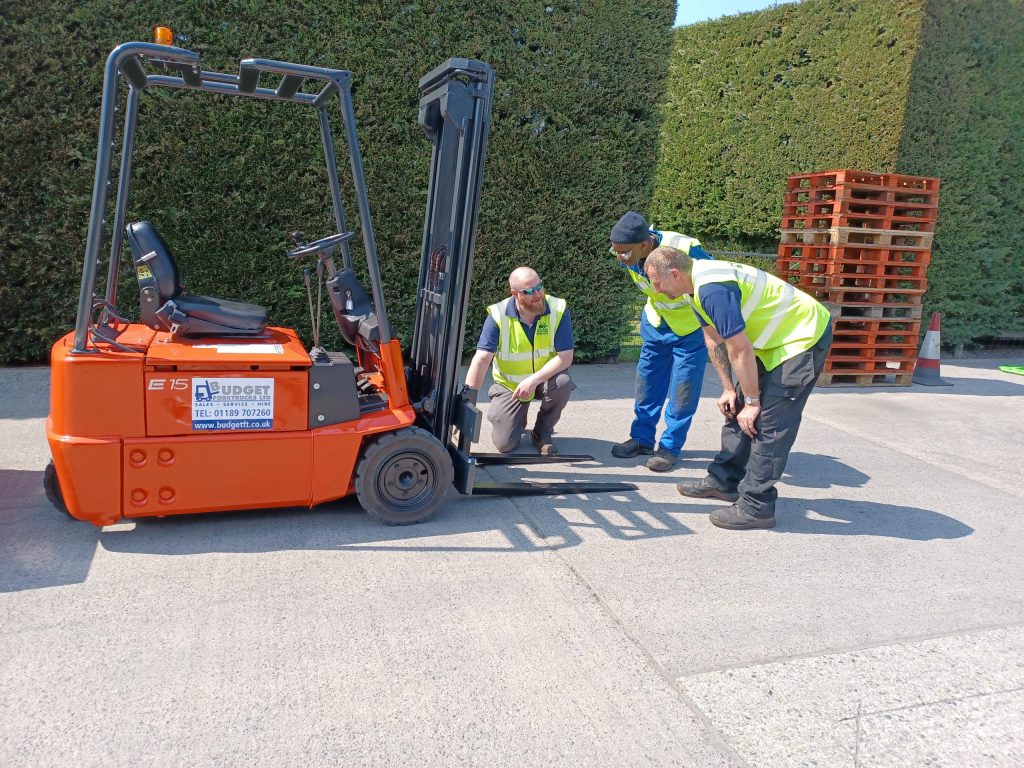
column 927, row 369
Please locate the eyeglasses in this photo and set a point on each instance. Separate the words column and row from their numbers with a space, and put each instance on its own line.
column 619, row 255
column 530, row 291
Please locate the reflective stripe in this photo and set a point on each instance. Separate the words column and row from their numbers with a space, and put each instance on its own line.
column 788, row 294
column 715, row 273
column 499, row 320
column 754, row 298
column 671, row 304
column 516, row 379
column 643, row 282
column 679, row 242
column 516, row 357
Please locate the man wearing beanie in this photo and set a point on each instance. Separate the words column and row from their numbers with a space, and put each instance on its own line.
column 673, row 354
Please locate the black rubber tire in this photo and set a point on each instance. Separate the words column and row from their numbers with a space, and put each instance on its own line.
column 52, row 487
column 403, row 477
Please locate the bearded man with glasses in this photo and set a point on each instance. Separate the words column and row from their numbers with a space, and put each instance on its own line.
column 528, row 340
column 672, row 355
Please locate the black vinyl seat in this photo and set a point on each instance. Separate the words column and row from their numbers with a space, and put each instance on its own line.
column 166, row 307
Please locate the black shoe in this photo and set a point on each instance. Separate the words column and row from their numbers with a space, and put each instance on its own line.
column 736, row 519
column 703, row 490
column 662, row 461
column 631, row 449
column 544, row 445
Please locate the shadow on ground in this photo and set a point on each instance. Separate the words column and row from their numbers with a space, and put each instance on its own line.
column 343, row 526
column 39, row 546
column 855, row 517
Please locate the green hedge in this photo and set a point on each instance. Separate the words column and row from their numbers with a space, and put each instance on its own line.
column 575, row 121
column 965, row 124
column 756, row 97
column 931, row 88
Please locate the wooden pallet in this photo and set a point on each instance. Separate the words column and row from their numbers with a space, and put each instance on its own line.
column 900, row 312
column 865, row 380
column 887, row 238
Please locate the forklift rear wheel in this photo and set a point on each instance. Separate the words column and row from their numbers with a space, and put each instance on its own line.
column 52, row 487
column 403, row 476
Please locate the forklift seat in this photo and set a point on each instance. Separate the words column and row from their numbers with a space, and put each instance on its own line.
column 166, row 307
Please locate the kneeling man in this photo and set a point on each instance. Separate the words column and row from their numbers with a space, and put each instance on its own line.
column 528, row 336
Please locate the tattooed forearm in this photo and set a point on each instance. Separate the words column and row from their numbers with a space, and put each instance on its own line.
column 721, row 363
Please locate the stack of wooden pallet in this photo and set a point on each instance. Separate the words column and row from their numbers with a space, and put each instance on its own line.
column 861, row 243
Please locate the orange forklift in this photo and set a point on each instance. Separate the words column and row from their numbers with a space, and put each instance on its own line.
column 204, row 407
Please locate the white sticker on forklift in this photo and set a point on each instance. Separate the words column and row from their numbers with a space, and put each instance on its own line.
column 237, row 403
column 243, row 349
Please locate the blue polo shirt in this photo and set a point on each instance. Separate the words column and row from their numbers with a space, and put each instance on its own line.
column 722, row 303
column 489, row 336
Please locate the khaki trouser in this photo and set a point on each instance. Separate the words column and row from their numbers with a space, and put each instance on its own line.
column 508, row 415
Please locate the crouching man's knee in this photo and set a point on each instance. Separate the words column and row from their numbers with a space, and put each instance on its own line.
column 506, row 443
column 561, row 381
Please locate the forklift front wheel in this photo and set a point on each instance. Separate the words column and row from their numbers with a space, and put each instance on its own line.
column 52, row 487
column 403, row 476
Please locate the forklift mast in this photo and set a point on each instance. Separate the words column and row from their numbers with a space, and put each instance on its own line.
column 455, row 114
column 455, row 108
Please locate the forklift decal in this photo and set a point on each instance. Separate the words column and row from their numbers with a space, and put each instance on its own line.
column 232, row 404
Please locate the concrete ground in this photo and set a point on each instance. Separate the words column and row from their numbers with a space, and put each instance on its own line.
column 880, row 624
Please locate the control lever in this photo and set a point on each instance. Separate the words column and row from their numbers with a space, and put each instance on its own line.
column 319, row 301
column 314, row 319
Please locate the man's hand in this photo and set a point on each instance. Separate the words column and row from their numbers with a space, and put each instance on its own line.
column 747, row 417
column 470, row 394
column 727, row 404
column 526, row 388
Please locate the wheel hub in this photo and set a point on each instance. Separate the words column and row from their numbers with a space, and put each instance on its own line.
column 405, row 480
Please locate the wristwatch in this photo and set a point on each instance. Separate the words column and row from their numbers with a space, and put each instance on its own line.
column 747, row 400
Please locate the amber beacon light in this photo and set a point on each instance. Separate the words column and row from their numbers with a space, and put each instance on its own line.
column 163, row 36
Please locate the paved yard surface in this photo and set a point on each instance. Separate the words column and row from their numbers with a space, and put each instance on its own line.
column 880, row 624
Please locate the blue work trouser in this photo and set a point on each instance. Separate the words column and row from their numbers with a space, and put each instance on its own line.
column 671, row 366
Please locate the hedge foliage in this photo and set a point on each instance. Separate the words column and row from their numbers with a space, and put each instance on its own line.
column 932, row 88
column 756, row 97
column 965, row 124
column 575, row 122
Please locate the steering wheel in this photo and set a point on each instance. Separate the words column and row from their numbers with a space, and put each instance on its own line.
column 323, row 244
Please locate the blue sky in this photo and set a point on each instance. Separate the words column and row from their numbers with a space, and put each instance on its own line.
column 690, row 11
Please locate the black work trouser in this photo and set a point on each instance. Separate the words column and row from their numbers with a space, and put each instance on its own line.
column 752, row 466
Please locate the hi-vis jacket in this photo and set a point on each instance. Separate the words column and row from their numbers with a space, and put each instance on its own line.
column 781, row 321
column 516, row 358
column 676, row 312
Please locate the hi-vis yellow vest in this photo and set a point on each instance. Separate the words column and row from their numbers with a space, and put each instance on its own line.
column 781, row 321
column 676, row 312
column 516, row 358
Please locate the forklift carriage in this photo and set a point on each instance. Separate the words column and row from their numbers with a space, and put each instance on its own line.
column 204, row 407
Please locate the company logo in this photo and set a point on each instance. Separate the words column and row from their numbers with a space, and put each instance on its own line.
column 206, row 390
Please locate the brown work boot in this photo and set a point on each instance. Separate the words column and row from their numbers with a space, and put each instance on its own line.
column 544, row 445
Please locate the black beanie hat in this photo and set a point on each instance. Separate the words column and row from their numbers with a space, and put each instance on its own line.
column 631, row 228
